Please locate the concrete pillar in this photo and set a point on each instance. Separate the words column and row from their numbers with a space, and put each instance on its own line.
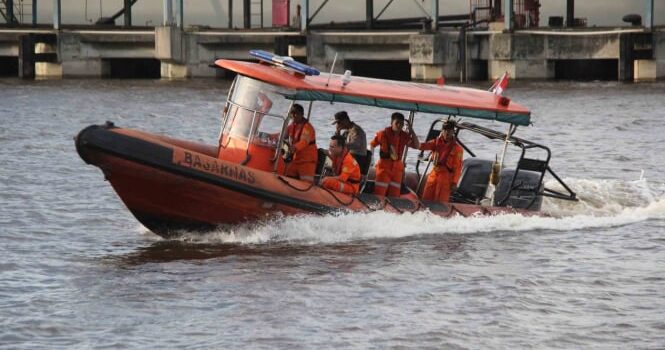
column 170, row 49
column 508, row 15
column 644, row 70
column 626, row 59
column 56, row 14
column 47, row 69
column 304, row 17
column 521, row 69
column 169, row 44
column 523, row 56
column 427, row 72
column 26, row 57
column 297, row 51
column 173, row 70
column 648, row 15
column 434, row 55
column 659, row 53
column 435, row 15
column 570, row 13
column 168, row 13
column 496, row 68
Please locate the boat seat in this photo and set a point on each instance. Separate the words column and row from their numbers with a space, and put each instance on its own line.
column 525, row 193
column 473, row 182
column 320, row 160
column 364, row 162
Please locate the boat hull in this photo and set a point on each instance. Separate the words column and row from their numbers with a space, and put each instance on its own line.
column 172, row 185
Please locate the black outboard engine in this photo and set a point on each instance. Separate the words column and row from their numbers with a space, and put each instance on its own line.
column 524, row 193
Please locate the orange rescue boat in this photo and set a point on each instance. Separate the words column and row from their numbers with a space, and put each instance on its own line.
column 171, row 185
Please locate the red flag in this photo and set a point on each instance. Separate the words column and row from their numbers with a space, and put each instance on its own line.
column 500, row 84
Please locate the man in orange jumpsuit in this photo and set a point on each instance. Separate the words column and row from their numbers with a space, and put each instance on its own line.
column 345, row 168
column 390, row 168
column 302, row 146
column 447, row 157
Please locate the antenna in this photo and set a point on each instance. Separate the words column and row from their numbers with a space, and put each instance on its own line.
column 331, row 69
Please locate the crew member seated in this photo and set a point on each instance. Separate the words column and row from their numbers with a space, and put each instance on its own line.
column 447, row 157
column 346, row 170
column 302, row 152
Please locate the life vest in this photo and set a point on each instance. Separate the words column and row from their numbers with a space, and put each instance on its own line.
column 304, row 151
column 392, row 145
column 346, row 163
column 295, row 132
column 442, row 151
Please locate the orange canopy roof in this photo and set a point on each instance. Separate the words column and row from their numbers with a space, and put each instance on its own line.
column 399, row 95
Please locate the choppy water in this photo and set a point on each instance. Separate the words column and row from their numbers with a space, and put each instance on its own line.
column 78, row 271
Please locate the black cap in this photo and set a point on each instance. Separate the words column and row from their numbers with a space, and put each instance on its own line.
column 340, row 116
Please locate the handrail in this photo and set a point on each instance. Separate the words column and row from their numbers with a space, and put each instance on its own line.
column 281, row 140
column 523, row 144
column 250, row 136
column 256, row 110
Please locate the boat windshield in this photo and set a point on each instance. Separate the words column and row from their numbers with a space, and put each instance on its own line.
column 255, row 108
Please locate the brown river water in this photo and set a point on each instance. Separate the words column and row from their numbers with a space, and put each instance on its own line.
column 78, row 271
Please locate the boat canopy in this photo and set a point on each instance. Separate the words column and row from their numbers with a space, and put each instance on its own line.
column 408, row 96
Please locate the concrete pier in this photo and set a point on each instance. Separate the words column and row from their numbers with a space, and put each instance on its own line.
column 87, row 53
column 351, row 47
column 169, row 52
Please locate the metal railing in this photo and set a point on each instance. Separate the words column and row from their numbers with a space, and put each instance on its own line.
column 226, row 129
column 15, row 11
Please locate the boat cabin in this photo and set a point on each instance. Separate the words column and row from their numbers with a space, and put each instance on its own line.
column 253, row 121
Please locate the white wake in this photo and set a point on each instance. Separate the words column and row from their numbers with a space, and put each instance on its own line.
column 602, row 203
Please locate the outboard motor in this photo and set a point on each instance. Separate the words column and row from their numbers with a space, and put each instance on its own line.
column 524, row 194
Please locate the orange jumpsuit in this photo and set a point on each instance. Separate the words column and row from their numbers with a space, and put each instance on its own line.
column 303, row 139
column 389, row 168
column 347, row 175
column 447, row 160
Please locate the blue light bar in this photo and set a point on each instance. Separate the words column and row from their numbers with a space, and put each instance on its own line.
column 284, row 61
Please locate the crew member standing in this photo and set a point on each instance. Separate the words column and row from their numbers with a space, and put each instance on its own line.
column 302, row 146
column 447, row 157
column 356, row 141
column 345, row 168
column 390, row 168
